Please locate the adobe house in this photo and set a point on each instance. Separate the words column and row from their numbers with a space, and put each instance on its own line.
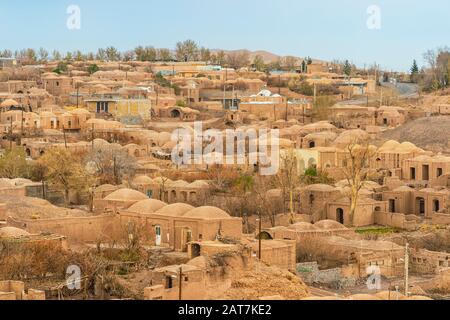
column 280, row 253
column 57, row 85
column 167, row 280
column 118, row 200
column 15, row 290
column 314, row 200
column 391, row 116
column 179, row 113
column 177, row 225
column 392, row 154
column 339, row 210
column 425, row 169
column 273, row 107
column 353, row 117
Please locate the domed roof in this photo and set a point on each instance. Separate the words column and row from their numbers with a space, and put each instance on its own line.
column 352, row 136
column 104, row 187
column 389, row 145
column 9, row 103
column 207, row 213
column 47, row 114
column 302, row 226
column 408, row 147
column 143, row 180
column 199, row 184
column 126, row 195
column 320, row 187
column 175, row 209
column 147, row 206
column 329, row 225
column 80, row 111
column 11, row 232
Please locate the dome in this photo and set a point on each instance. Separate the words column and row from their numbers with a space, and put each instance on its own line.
column 352, row 136
column 9, row 103
column 302, row 226
column 389, row 145
column 104, row 187
column 11, row 232
column 207, row 213
column 143, row 180
column 199, row 184
column 407, row 147
column 175, row 209
column 320, row 187
column 329, row 225
column 147, row 206
column 126, row 195
column 80, row 111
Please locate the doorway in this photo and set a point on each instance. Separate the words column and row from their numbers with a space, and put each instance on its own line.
column 340, row 215
column 158, row 236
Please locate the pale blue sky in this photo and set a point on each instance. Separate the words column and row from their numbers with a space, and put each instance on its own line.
column 324, row 29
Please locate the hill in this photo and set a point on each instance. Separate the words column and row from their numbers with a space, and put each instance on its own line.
column 430, row 133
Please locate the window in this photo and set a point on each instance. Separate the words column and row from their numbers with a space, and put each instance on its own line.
column 412, row 173
column 436, row 206
column 439, row 172
column 391, row 205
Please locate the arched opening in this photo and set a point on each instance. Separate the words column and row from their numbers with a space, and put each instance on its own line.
column 195, row 250
column 420, row 206
column 312, row 144
column 175, row 113
column 436, row 205
column 392, row 205
column 340, row 215
column 184, row 196
column 28, row 152
column 173, row 195
column 158, row 237
column 264, row 235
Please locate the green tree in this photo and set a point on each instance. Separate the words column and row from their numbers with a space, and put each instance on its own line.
column 93, row 68
column 414, row 71
column 259, row 64
column 64, row 170
column 347, row 68
column 13, row 164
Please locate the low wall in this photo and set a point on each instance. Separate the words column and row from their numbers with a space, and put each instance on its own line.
column 440, row 218
column 395, row 220
column 76, row 229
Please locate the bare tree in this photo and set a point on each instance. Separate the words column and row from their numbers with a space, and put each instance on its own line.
column 111, row 163
column 288, row 177
column 356, row 171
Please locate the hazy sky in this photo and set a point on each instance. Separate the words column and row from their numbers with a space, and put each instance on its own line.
column 324, row 29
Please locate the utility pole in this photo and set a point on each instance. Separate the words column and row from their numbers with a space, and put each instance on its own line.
column 64, row 134
column 259, row 235
column 381, row 96
column 21, row 124
column 406, row 268
column 180, row 283
column 78, row 92
column 92, row 136
column 10, row 133
column 315, row 94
